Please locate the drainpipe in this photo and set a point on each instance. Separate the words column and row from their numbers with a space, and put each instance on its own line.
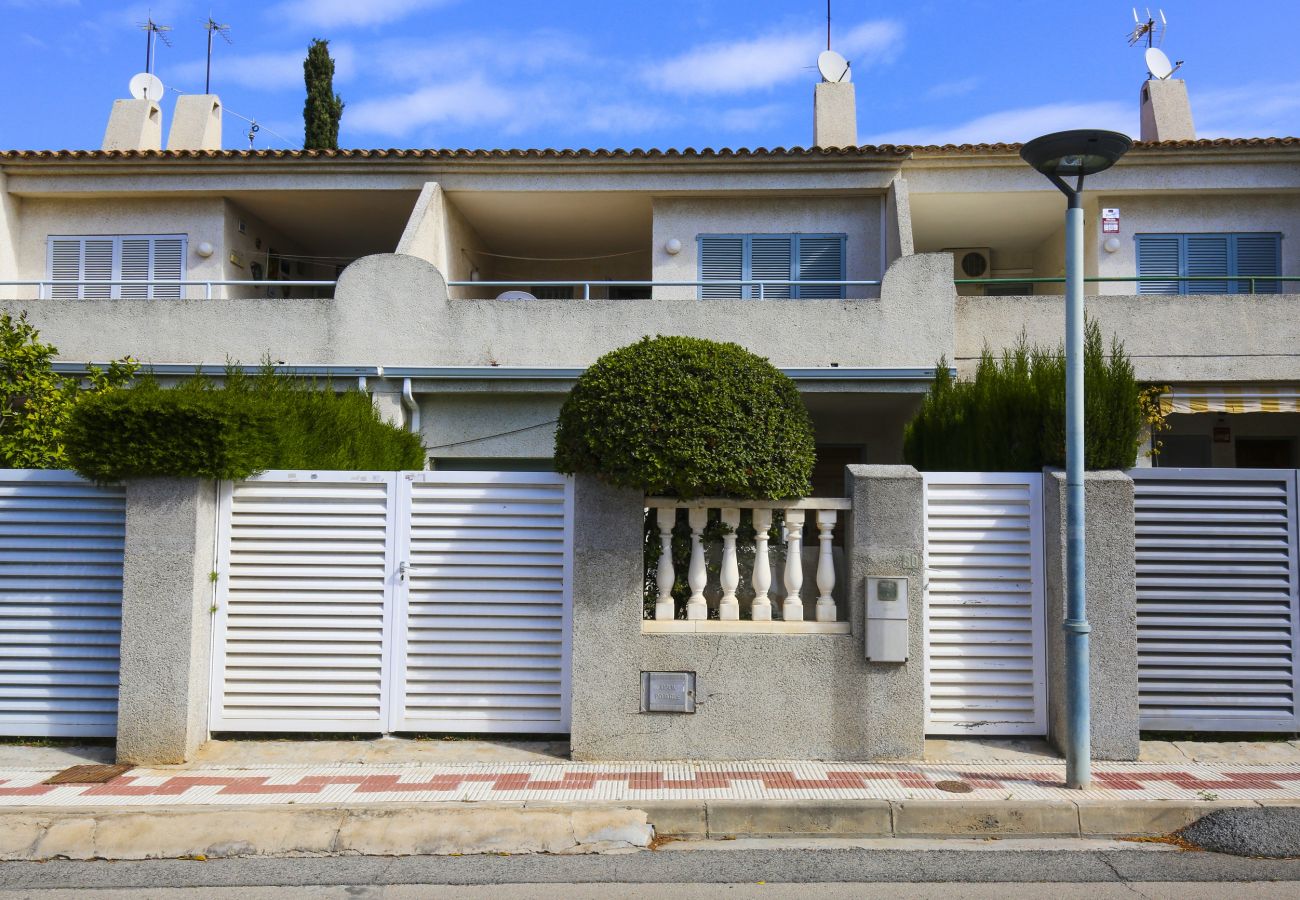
column 408, row 402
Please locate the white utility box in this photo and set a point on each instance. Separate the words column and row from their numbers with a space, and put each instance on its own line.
column 886, row 619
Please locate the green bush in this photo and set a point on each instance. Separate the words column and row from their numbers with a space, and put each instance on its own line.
column 1011, row 416
column 267, row 421
column 685, row 417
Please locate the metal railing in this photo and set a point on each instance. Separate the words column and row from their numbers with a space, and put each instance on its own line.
column 1154, row 279
column 43, row 284
column 588, row 285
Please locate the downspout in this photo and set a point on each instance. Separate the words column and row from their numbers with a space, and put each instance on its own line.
column 409, row 404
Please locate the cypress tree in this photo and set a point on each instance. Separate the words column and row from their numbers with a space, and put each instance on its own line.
column 324, row 108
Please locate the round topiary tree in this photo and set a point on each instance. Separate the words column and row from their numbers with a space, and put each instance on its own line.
column 686, row 417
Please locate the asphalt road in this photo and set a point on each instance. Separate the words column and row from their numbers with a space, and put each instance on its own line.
column 998, row 872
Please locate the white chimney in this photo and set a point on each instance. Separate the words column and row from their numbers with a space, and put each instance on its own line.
column 134, row 125
column 1166, row 111
column 196, row 123
column 835, row 115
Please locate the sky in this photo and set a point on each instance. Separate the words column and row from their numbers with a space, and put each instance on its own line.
column 710, row 73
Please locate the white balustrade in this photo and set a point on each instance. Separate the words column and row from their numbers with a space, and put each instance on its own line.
column 794, row 512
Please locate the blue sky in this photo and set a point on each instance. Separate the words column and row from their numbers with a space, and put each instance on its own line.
column 710, row 73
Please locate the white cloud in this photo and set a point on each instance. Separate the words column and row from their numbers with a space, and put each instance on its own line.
column 332, row 13
column 1018, row 124
column 949, row 89
column 1253, row 110
column 768, row 60
column 751, row 118
column 469, row 101
column 421, row 60
column 274, row 71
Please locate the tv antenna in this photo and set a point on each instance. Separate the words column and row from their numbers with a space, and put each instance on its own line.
column 213, row 28
column 1149, row 29
column 153, row 32
column 833, row 67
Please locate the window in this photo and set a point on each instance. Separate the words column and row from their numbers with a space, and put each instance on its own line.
column 129, row 258
column 731, row 258
column 1207, row 257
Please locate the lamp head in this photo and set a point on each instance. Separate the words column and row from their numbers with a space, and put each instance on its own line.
column 1067, row 154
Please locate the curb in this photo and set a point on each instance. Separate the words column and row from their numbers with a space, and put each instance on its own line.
column 439, row 828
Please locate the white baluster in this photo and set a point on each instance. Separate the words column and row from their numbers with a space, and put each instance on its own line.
column 826, row 611
column 729, row 577
column 761, row 610
column 665, row 575
column 792, row 609
column 697, row 576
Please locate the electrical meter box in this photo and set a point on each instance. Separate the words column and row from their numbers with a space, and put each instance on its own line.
column 887, row 635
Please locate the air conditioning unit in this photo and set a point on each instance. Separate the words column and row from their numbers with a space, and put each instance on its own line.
column 971, row 262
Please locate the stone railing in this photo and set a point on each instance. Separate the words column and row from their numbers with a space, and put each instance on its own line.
column 821, row 513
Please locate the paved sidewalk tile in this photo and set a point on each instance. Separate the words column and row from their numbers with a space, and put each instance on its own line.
column 631, row 782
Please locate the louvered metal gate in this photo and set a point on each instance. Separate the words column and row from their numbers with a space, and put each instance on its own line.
column 1217, row 599
column 984, row 634
column 376, row 602
column 61, row 541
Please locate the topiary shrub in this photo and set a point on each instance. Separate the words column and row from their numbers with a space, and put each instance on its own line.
column 1011, row 416
column 251, row 424
column 685, row 417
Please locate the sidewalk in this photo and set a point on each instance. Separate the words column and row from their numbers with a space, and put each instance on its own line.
column 464, row 797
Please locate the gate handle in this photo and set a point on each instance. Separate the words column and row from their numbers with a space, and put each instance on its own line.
column 402, row 568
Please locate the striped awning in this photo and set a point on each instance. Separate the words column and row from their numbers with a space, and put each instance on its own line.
column 1231, row 398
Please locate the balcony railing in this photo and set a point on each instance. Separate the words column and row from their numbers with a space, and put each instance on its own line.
column 151, row 289
column 765, row 287
column 1253, row 281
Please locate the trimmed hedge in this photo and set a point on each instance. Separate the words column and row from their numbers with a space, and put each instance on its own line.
column 1011, row 416
column 686, row 417
column 247, row 427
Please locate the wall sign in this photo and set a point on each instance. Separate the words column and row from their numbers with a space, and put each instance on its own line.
column 1110, row 220
column 668, row 692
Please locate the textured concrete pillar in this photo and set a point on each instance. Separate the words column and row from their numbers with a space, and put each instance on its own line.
column 134, row 125
column 167, row 596
column 1111, row 585
column 886, row 537
column 196, row 123
column 1166, row 113
column 835, row 115
column 898, row 221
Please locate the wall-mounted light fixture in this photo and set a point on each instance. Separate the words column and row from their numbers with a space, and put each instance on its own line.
column 672, row 246
column 1111, row 244
column 204, row 249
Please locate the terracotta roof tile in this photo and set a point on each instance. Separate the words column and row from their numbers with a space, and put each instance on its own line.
column 881, row 151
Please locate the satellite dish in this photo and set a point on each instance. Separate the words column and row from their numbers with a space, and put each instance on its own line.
column 515, row 295
column 146, row 86
column 834, row 68
column 1158, row 64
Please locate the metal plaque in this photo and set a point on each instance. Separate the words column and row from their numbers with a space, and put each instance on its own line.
column 668, row 692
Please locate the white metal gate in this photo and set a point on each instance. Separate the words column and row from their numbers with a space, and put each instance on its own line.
column 984, row 635
column 369, row 602
column 1217, row 599
column 61, row 541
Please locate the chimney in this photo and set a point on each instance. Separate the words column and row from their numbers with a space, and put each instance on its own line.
column 835, row 115
column 134, row 125
column 196, row 123
column 1166, row 111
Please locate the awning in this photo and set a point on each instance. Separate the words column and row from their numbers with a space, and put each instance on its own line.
column 1231, row 398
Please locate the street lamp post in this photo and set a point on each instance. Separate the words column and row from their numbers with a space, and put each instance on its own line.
column 1075, row 154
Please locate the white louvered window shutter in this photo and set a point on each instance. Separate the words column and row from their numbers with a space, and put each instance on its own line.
column 1258, row 254
column 98, row 264
column 1158, row 254
column 771, row 259
column 821, row 258
column 168, row 259
column 65, row 266
column 135, row 267
column 722, row 260
column 1207, row 255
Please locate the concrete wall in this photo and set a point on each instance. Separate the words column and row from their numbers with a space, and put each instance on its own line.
column 199, row 218
column 10, row 209
column 426, row 228
column 1179, row 213
column 254, row 245
column 393, row 310
column 460, row 252
column 1169, row 338
column 1110, row 573
column 467, row 421
column 167, row 595
column 898, row 221
column 759, row 696
column 685, row 218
